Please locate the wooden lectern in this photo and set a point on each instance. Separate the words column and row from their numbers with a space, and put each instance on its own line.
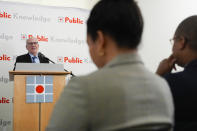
column 34, row 116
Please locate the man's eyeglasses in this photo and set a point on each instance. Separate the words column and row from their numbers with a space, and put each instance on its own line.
column 172, row 40
column 31, row 43
column 176, row 38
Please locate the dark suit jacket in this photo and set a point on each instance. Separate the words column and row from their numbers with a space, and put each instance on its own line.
column 26, row 58
column 184, row 90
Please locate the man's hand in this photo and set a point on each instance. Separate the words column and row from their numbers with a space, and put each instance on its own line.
column 166, row 65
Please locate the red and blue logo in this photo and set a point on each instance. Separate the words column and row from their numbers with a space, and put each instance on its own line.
column 39, row 89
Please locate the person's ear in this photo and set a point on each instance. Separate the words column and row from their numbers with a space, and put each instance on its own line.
column 182, row 43
column 100, row 41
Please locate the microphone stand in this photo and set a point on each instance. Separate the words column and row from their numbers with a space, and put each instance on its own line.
column 64, row 69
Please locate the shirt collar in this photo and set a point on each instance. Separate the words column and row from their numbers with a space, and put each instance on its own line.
column 193, row 63
column 33, row 55
column 125, row 58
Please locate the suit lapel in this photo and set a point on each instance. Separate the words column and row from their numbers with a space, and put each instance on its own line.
column 28, row 58
column 41, row 60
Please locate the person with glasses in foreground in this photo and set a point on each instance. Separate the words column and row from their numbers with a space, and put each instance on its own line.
column 33, row 56
column 122, row 95
column 183, row 84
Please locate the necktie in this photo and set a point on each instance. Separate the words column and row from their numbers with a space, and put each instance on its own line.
column 33, row 59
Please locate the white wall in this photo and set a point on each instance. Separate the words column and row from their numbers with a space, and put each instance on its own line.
column 85, row 4
column 161, row 19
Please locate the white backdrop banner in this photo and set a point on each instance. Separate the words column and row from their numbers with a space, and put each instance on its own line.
column 62, row 38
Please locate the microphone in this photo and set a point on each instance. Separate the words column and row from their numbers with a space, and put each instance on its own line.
column 14, row 66
column 43, row 56
column 46, row 58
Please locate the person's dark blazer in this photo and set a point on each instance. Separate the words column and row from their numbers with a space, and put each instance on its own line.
column 26, row 58
column 184, row 90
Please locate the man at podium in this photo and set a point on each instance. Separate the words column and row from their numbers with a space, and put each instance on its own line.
column 33, row 56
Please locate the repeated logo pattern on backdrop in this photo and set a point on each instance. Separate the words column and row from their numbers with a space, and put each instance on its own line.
column 39, row 89
column 61, row 33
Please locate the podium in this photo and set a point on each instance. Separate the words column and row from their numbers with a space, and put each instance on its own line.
column 34, row 116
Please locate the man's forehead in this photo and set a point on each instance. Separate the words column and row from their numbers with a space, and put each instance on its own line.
column 32, row 40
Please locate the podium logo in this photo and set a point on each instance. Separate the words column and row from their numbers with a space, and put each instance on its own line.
column 39, row 89
column 39, row 37
column 73, row 60
column 4, row 57
column 72, row 20
column 5, row 15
